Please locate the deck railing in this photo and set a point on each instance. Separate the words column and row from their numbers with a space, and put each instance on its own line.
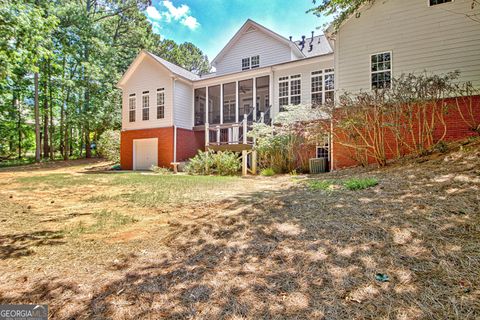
column 234, row 133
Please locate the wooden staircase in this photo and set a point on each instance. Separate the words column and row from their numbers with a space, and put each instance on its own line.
column 233, row 137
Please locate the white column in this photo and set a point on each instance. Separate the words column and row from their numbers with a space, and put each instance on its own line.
column 254, row 80
column 270, row 93
column 221, row 103
column 236, row 101
column 245, row 128
column 206, row 105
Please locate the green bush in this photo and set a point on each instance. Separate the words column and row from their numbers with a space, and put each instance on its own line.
column 360, row 183
column 109, row 145
column 224, row 163
column 267, row 172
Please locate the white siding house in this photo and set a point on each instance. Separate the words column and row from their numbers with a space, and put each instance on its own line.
column 183, row 101
column 418, row 37
column 144, row 80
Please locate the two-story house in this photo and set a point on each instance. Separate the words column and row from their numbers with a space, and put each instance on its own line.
column 168, row 113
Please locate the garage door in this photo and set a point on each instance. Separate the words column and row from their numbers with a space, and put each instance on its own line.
column 145, row 153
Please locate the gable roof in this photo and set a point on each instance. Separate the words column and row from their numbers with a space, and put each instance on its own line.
column 246, row 26
column 174, row 69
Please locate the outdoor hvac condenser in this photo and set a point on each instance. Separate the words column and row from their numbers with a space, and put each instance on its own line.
column 318, row 165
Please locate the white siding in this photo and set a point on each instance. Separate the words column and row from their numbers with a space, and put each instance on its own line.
column 305, row 71
column 435, row 39
column 183, row 105
column 270, row 50
column 148, row 76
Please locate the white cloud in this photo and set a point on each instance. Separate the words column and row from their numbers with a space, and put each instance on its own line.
column 190, row 22
column 171, row 13
column 176, row 12
column 153, row 13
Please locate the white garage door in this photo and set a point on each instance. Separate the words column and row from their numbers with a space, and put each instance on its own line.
column 145, row 153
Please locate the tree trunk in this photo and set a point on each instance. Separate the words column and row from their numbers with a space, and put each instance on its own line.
column 37, row 119
column 19, row 127
column 51, row 131
column 45, row 120
column 88, row 151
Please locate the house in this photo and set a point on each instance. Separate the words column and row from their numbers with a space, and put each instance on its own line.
column 168, row 113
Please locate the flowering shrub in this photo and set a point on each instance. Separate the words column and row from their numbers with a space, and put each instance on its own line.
column 224, row 163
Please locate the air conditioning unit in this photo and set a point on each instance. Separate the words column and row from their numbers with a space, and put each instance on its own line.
column 318, row 165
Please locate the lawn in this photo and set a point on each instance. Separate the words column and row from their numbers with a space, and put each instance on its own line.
column 95, row 244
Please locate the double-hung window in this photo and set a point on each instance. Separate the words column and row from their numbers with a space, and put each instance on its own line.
column 145, row 105
column 160, row 103
column 317, row 88
column 329, row 85
column 283, row 91
column 131, row 108
column 289, row 90
column 245, row 63
column 255, row 62
column 381, row 70
column 295, row 89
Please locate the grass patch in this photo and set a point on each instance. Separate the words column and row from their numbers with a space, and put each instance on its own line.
column 320, row 185
column 104, row 219
column 360, row 183
column 267, row 172
column 350, row 184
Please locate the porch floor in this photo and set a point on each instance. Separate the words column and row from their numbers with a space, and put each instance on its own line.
column 229, row 147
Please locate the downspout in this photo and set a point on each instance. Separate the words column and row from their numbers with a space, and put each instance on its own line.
column 173, row 122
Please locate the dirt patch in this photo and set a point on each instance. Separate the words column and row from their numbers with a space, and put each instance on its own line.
column 256, row 248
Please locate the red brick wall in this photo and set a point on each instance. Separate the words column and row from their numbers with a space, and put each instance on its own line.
column 456, row 128
column 188, row 143
column 165, row 145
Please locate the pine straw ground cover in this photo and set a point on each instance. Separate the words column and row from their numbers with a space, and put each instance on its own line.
column 280, row 251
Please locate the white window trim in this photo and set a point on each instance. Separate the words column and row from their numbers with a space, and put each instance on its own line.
column 146, row 95
column 252, row 66
column 439, row 4
column 372, row 72
column 322, row 73
column 132, row 98
column 289, row 79
column 249, row 64
column 162, row 92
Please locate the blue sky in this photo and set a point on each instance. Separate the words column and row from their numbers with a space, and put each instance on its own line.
column 209, row 24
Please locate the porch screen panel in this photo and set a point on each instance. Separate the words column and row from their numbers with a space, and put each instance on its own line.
column 229, row 102
column 245, row 98
column 263, row 92
column 214, row 104
column 200, row 106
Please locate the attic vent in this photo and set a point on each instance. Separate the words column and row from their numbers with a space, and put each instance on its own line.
column 251, row 29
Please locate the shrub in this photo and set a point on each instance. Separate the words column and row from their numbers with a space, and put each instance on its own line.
column 360, row 183
column 222, row 163
column 161, row 170
column 267, row 172
column 226, row 163
column 109, row 145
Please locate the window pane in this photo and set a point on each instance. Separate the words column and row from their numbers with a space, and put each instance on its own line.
column 329, row 82
column 229, row 102
column 255, row 61
column 245, row 63
column 214, row 104
column 245, row 97
column 160, row 104
column 200, row 97
column 262, row 90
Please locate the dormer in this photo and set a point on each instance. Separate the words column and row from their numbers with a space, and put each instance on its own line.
column 254, row 46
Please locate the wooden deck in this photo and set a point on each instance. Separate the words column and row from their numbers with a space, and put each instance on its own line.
column 229, row 147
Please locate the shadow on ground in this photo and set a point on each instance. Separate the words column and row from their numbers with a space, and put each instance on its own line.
column 301, row 254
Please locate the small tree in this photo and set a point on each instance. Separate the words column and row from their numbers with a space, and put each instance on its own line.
column 109, row 145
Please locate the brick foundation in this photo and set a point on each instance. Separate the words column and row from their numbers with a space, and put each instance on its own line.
column 165, row 145
column 455, row 128
column 188, row 143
